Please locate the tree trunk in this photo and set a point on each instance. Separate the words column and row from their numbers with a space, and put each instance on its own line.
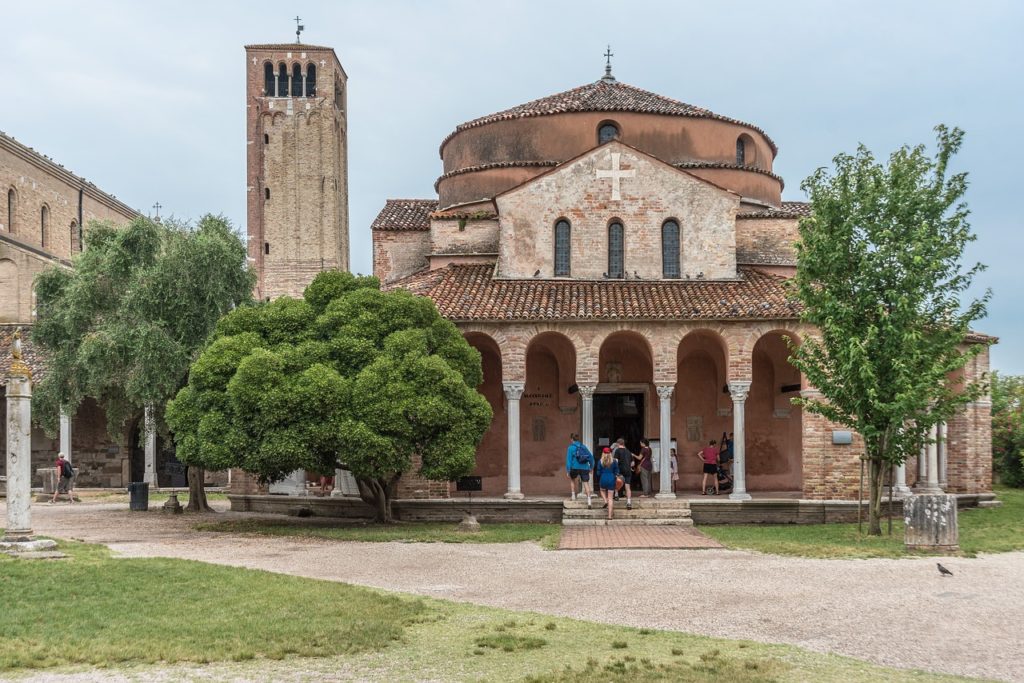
column 378, row 493
column 196, row 493
column 876, row 480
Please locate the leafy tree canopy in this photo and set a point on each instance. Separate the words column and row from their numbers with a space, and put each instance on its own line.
column 879, row 273
column 349, row 374
column 1008, row 428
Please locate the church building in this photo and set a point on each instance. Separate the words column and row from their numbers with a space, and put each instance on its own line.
column 619, row 258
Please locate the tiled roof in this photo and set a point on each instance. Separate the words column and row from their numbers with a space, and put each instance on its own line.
column 470, row 292
column 764, row 258
column 405, row 214
column 604, row 95
column 786, row 210
column 28, row 351
column 294, row 47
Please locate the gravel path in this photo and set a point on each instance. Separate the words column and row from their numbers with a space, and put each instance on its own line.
column 893, row 612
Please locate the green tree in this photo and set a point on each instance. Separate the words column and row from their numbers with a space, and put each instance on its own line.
column 349, row 375
column 1008, row 428
column 123, row 325
column 879, row 274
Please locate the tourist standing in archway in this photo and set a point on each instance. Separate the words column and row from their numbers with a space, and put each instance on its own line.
column 578, row 463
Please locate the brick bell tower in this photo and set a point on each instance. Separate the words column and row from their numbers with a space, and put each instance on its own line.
column 297, row 165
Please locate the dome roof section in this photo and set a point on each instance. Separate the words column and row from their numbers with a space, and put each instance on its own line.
column 604, row 95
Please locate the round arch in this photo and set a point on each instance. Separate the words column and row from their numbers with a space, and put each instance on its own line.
column 549, row 412
column 492, row 453
column 704, row 409
column 774, row 426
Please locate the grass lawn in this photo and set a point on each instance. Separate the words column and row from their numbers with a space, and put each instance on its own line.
column 155, row 497
column 135, row 613
column 545, row 534
column 991, row 530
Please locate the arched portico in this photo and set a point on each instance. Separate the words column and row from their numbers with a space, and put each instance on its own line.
column 491, row 460
column 549, row 412
column 774, row 427
column 703, row 405
column 624, row 398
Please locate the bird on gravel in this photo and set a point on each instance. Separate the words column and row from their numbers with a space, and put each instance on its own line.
column 943, row 570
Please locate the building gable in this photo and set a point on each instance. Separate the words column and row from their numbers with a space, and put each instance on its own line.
column 610, row 183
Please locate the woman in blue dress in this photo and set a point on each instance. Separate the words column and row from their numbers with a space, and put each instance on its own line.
column 606, row 472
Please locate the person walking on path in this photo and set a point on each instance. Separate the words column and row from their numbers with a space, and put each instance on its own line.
column 66, row 474
column 646, row 467
column 625, row 460
column 709, row 456
column 673, row 466
column 606, row 472
column 578, row 463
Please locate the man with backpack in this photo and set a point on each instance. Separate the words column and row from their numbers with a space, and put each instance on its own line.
column 67, row 475
column 624, row 457
column 578, row 463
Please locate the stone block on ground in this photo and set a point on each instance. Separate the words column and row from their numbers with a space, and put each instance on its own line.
column 930, row 522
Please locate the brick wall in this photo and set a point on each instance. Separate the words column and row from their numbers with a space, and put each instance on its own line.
column 451, row 236
column 399, row 253
column 767, row 241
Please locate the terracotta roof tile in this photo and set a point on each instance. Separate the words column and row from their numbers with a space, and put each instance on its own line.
column 786, row 210
column 33, row 359
column 603, row 95
column 470, row 292
column 405, row 214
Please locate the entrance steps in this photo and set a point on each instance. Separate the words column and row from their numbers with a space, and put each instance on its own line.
column 645, row 512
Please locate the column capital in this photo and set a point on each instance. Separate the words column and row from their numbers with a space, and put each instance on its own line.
column 739, row 390
column 587, row 390
column 513, row 390
column 665, row 391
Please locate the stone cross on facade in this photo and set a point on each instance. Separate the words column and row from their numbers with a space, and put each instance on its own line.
column 616, row 174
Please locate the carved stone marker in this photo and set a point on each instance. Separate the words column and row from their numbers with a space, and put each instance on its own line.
column 930, row 522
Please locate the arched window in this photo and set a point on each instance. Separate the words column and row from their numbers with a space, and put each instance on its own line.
column 76, row 239
column 268, row 79
column 741, row 152
column 311, row 80
column 607, row 131
column 670, row 248
column 296, row 80
column 616, row 250
column 266, row 193
column 44, row 225
column 563, row 250
column 282, row 80
column 12, row 209
column 266, row 138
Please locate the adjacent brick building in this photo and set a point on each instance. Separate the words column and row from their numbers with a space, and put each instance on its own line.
column 620, row 259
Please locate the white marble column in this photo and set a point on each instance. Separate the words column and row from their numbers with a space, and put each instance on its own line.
column 19, row 454
column 922, row 467
column 65, row 435
column 900, row 487
column 931, row 482
column 665, row 439
column 150, row 433
column 344, row 484
column 587, row 419
column 739, row 391
column 943, row 456
column 513, row 392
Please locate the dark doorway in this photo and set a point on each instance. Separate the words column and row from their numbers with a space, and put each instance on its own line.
column 618, row 415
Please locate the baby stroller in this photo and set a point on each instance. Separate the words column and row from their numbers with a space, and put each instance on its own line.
column 724, row 481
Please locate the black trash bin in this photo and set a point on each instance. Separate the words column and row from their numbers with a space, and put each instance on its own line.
column 138, row 496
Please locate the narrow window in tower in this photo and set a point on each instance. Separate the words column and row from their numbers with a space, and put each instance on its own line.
column 266, row 138
column 266, row 247
column 311, row 80
column 670, row 248
column 741, row 152
column 282, row 80
column 296, row 80
column 563, row 248
column 268, row 79
column 266, row 193
column 12, row 202
column 44, row 225
column 616, row 250
column 76, row 239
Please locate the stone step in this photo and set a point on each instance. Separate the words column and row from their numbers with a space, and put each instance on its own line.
column 623, row 512
column 641, row 503
column 601, row 521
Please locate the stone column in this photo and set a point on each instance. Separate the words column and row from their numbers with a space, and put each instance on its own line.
column 292, row 485
column 943, row 456
column 900, row 487
column 19, row 453
column 587, row 419
column 65, row 435
column 930, row 522
column 344, row 484
column 665, row 439
column 922, row 467
column 739, row 391
column 513, row 392
column 931, row 482
column 150, row 432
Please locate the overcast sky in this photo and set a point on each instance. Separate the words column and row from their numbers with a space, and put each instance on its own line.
column 147, row 100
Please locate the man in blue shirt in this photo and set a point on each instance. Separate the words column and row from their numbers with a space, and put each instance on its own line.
column 578, row 463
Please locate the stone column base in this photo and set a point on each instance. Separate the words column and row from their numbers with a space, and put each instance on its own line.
column 514, row 495
column 739, row 496
column 667, row 495
column 27, row 545
column 931, row 522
